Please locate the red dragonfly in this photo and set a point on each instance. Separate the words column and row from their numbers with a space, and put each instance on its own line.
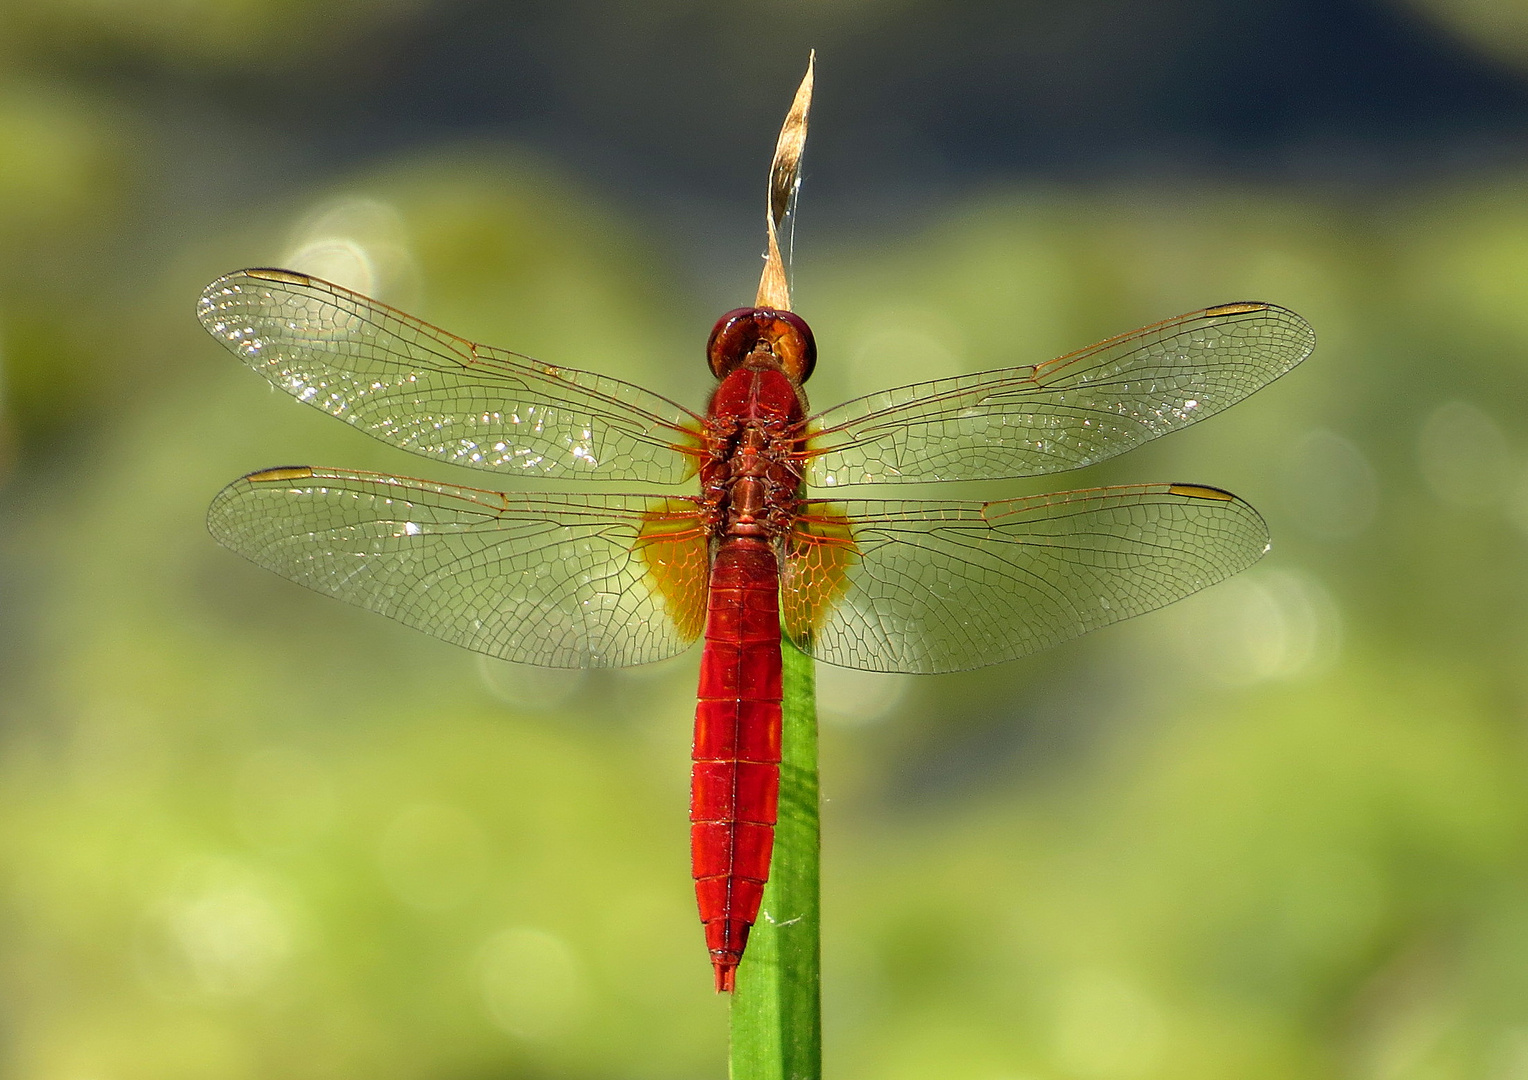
column 608, row 580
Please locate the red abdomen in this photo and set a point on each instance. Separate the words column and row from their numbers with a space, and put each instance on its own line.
column 735, row 781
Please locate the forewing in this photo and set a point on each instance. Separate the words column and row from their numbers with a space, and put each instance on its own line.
column 556, row 580
column 434, row 394
column 930, row 587
column 1064, row 414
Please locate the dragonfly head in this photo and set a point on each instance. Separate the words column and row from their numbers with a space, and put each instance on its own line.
column 763, row 337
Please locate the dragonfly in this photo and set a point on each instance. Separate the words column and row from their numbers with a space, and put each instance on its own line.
column 739, row 533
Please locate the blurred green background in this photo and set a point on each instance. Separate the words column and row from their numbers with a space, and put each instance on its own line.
column 1277, row 831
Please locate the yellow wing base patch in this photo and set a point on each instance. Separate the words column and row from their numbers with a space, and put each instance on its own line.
column 674, row 547
column 818, row 555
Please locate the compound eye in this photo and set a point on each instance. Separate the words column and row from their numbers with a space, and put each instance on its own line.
column 742, row 332
column 732, row 339
column 793, row 345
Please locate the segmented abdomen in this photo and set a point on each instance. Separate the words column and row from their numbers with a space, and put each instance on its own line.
column 735, row 782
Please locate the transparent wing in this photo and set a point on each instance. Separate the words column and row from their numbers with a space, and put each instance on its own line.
column 438, row 395
column 556, row 580
column 1064, row 414
column 929, row 587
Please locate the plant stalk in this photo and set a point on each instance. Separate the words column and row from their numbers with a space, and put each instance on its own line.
column 777, row 1007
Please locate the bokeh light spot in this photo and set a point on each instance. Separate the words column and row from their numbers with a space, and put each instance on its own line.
column 895, row 345
column 1106, row 1027
column 849, row 697
column 1330, row 486
column 358, row 242
column 1258, row 627
column 434, row 857
column 527, row 688
column 1463, row 455
column 531, row 982
column 218, row 930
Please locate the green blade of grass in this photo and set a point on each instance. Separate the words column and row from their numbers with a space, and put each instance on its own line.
column 777, row 1009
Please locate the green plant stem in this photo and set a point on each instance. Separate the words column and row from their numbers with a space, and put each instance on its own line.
column 777, row 1008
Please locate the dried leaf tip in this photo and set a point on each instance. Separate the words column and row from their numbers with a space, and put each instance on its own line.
column 784, row 179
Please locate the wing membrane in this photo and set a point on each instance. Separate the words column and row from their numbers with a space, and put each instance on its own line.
column 1064, row 414
column 930, row 587
column 434, row 394
column 556, row 580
